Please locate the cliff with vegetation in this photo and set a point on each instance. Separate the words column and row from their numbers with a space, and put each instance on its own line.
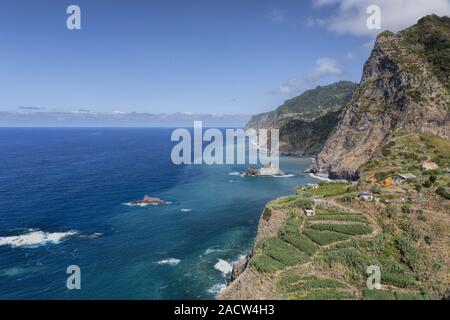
column 404, row 86
column 306, row 121
column 394, row 136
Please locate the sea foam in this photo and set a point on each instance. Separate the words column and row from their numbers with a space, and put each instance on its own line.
column 170, row 261
column 211, row 250
column 217, row 288
column 35, row 239
column 224, row 266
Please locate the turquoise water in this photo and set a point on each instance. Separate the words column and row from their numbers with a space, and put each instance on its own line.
column 60, row 180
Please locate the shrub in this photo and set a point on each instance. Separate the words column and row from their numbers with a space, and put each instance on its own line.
column 381, row 175
column 406, row 208
column 422, row 217
column 418, row 187
column 391, row 210
column 443, row 193
column 428, row 239
column 376, row 189
column 433, row 178
column 324, row 237
column 347, row 199
column 427, row 183
column 351, row 229
column 267, row 213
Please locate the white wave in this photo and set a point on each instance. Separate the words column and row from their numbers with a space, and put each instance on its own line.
column 35, row 239
column 142, row 205
column 241, row 257
column 170, row 261
column 235, row 174
column 224, row 266
column 91, row 236
column 211, row 250
column 320, row 177
column 130, row 204
column 217, row 288
column 186, row 210
column 285, row 176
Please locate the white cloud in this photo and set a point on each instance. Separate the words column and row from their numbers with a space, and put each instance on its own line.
column 276, row 15
column 324, row 67
column 350, row 56
column 319, row 3
column 351, row 15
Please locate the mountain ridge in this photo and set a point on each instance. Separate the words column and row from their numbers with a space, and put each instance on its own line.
column 306, row 121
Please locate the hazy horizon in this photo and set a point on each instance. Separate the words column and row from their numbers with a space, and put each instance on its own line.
column 200, row 57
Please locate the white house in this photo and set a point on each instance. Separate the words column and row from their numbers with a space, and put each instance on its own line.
column 403, row 177
column 365, row 196
column 310, row 212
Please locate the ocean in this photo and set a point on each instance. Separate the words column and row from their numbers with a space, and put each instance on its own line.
column 63, row 201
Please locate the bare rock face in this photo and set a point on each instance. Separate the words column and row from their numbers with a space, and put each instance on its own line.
column 401, row 89
column 239, row 267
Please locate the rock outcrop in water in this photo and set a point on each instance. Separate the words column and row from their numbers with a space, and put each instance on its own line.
column 404, row 86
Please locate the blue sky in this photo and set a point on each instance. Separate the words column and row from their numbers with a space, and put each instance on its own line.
column 157, row 56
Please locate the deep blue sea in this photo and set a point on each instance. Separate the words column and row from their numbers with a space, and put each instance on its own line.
column 54, row 181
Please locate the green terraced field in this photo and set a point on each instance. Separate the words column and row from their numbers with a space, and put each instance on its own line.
column 325, row 237
column 350, row 229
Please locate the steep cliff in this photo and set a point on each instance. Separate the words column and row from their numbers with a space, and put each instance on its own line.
column 404, row 86
column 299, row 137
column 306, row 121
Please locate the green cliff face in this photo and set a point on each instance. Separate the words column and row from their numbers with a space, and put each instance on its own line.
column 306, row 121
